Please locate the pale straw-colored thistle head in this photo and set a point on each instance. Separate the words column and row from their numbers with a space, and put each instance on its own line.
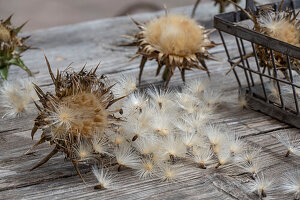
column 174, row 41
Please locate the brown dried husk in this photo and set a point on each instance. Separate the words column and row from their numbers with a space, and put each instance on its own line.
column 88, row 96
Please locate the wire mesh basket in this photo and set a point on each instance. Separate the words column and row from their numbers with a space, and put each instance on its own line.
column 265, row 89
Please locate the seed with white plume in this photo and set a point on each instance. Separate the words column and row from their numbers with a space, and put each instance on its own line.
column 169, row 172
column 292, row 143
column 252, row 167
column 196, row 120
column 126, row 85
column 146, row 146
column 146, row 169
column 103, row 177
column 291, row 183
column 134, row 103
column 191, row 139
column 214, row 134
column 261, row 185
column 13, row 99
column 161, row 98
column 224, row 156
column 248, row 154
column 162, row 124
column 202, row 156
column 196, row 87
column 83, row 151
column 126, row 157
column 172, row 147
column 212, row 97
column 235, row 144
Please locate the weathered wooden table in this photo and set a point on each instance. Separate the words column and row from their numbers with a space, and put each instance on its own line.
column 95, row 41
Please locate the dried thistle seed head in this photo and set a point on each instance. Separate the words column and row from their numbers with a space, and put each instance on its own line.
column 173, row 41
column 76, row 114
column 15, row 97
column 11, row 47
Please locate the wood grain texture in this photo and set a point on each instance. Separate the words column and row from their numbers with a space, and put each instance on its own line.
column 95, row 41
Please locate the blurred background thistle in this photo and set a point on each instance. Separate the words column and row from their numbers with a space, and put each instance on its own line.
column 11, row 47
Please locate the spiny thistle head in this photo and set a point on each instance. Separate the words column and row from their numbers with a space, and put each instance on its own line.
column 173, row 41
column 11, row 47
column 76, row 113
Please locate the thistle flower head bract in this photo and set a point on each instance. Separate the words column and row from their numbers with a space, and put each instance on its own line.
column 11, row 47
column 173, row 41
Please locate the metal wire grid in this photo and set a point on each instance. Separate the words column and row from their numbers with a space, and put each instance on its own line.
column 227, row 23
